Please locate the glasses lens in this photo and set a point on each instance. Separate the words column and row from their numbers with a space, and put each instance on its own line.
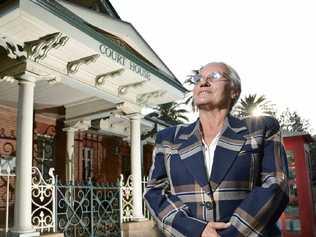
column 215, row 75
column 212, row 76
column 195, row 79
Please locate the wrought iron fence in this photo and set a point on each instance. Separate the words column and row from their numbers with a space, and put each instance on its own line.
column 43, row 201
column 7, row 179
column 85, row 209
column 127, row 198
column 88, row 210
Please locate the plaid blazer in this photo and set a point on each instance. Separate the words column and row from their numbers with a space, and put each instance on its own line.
column 247, row 186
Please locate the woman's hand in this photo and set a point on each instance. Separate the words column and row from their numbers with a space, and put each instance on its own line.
column 211, row 227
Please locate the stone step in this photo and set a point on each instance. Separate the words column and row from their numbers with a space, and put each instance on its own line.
column 53, row 235
column 140, row 229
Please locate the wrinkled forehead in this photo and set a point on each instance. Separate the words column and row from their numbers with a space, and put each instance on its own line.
column 213, row 67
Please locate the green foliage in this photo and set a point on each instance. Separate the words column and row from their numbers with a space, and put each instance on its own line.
column 170, row 113
column 252, row 103
column 291, row 121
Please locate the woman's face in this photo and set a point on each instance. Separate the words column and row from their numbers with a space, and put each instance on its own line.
column 213, row 94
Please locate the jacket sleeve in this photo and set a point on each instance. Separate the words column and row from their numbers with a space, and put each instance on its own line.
column 171, row 214
column 266, row 202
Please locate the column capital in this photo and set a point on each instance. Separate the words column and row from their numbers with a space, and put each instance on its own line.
column 129, row 108
column 27, row 77
column 69, row 129
column 135, row 116
column 77, row 126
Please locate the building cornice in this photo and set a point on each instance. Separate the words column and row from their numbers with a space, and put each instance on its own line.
column 58, row 10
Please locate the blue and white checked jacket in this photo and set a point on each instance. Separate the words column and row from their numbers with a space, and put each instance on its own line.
column 248, row 184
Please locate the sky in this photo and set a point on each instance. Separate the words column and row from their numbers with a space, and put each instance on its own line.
column 271, row 44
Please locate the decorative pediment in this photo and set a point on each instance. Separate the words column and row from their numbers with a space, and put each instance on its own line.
column 38, row 49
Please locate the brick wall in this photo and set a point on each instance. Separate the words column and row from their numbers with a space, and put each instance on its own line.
column 3, row 199
column 7, row 130
column 42, row 125
column 108, row 153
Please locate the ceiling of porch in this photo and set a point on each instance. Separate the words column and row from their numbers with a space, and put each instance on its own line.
column 49, row 98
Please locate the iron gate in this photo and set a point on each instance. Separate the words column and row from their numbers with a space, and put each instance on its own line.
column 88, row 210
column 84, row 209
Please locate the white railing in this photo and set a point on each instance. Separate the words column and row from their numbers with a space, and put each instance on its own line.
column 6, row 175
column 127, row 199
column 43, row 201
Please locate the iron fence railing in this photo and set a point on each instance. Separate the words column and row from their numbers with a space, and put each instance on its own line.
column 85, row 209
column 127, row 199
column 88, row 210
column 43, row 201
column 7, row 180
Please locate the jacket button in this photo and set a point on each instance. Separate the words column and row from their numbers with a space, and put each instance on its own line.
column 208, row 205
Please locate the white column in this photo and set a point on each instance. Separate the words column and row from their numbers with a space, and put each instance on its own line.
column 70, row 176
column 24, row 144
column 136, row 166
column 70, row 129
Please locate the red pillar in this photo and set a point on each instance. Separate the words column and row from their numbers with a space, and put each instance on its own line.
column 299, row 158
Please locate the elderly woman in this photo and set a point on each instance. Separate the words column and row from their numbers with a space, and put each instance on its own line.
column 219, row 176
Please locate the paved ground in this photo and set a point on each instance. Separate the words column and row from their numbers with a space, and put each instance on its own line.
column 131, row 229
column 140, row 229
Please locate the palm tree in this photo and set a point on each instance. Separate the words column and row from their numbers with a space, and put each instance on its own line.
column 253, row 105
column 189, row 96
column 171, row 114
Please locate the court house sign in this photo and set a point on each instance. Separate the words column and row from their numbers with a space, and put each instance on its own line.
column 115, row 56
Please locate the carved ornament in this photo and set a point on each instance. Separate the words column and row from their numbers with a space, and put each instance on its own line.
column 73, row 66
column 12, row 50
column 100, row 79
column 144, row 98
column 38, row 49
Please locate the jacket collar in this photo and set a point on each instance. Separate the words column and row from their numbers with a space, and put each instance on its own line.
column 229, row 145
column 186, row 132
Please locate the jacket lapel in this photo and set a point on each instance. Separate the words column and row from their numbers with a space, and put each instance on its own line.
column 228, row 147
column 192, row 155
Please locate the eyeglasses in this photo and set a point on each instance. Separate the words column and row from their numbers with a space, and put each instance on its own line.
column 212, row 77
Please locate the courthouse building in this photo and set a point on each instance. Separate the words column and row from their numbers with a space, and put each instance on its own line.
column 74, row 79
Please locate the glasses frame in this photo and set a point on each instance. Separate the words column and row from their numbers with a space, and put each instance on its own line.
column 211, row 77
